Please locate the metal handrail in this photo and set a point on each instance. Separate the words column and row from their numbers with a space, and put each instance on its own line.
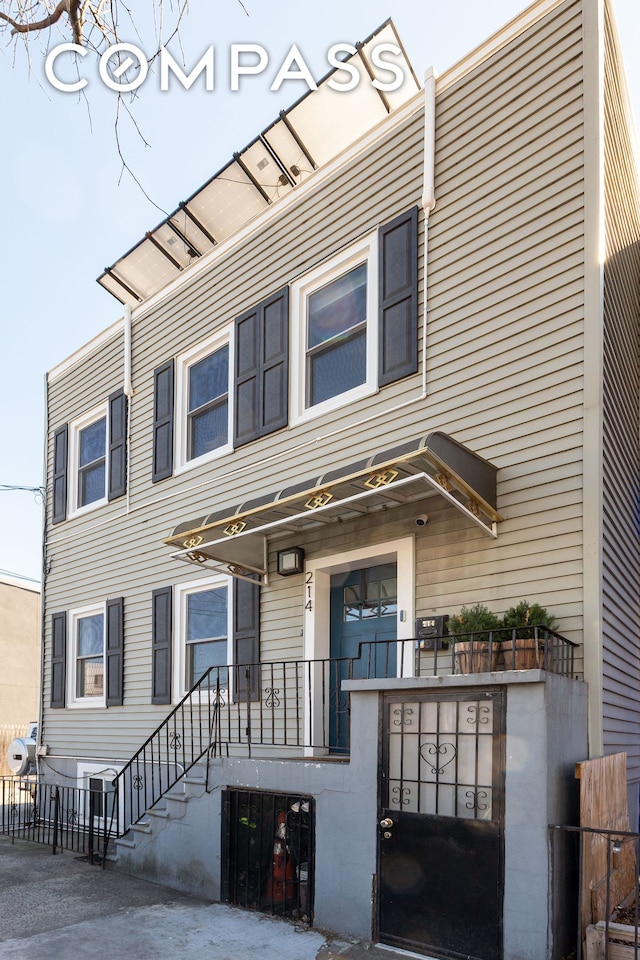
column 300, row 705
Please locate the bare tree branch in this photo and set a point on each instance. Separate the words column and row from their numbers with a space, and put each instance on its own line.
column 63, row 7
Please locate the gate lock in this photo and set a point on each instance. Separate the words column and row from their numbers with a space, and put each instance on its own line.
column 386, row 824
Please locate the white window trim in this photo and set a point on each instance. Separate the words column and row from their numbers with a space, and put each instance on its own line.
column 73, row 702
column 183, row 363
column 317, row 618
column 182, row 591
column 364, row 251
column 90, row 770
column 74, row 455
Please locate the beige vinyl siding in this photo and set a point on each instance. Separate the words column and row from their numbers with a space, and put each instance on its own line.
column 504, row 375
column 621, row 402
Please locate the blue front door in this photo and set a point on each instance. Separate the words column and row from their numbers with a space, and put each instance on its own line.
column 364, row 612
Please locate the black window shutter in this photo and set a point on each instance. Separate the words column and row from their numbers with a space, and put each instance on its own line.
column 261, row 369
column 117, row 445
column 161, row 641
column 398, row 298
column 114, row 653
column 163, row 403
column 60, row 446
column 246, row 640
column 58, row 659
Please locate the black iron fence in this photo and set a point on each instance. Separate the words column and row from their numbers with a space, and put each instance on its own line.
column 63, row 817
column 595, row 893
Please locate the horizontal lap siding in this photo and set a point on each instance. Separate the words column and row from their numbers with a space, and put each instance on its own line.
column 506, row 268
column 621, row 399
column 504, row 375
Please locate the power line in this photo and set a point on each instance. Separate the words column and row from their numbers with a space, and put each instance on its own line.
column 16, row 486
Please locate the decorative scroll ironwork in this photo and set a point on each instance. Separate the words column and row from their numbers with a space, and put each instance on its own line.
column 446, row 751
column 479, row 714
column 137, row 782
column 272, row 699
column 475, row 800
column 401, row 795
column 175, row 742
column 403, row 714
column 72, row 817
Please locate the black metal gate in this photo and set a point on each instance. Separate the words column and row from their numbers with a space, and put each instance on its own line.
column 440, row 859
column 267, row 851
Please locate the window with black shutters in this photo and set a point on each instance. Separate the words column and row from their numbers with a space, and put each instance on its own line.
column 355, row 320
column 90, row 459
column 261, row 369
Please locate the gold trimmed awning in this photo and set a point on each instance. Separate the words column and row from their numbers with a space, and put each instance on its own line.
column 235, row 539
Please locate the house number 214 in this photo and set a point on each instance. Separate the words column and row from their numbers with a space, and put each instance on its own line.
column 307, row 587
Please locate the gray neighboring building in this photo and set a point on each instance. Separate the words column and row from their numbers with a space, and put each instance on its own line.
column 383, row 365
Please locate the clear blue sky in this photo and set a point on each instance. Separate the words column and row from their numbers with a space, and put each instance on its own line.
column 68, row 213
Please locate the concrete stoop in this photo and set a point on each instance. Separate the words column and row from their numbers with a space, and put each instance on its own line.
column 171, row 843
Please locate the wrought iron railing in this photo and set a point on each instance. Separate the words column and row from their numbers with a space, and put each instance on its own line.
column 299, row 706
column 63, row 817
column 506, row 648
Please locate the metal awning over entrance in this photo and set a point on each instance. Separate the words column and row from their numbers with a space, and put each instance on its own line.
column 235, row 539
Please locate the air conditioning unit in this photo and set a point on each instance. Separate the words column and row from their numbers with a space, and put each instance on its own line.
column 21, row 755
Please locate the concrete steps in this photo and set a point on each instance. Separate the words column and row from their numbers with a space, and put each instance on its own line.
column 172, row 806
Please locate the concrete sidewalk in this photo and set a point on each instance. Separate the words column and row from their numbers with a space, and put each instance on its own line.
column 54, row 907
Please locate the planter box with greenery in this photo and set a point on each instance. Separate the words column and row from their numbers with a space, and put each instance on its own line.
column 478, row 648
column 523, row 645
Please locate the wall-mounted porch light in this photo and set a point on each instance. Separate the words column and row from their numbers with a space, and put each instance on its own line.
column 290, row 561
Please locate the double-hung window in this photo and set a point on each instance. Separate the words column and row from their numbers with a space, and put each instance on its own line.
column 335, row 331
column 92, row 462
column 203, row 632
column 86, row 680
column 93, row 470
column 203, row 390
column 88, row 458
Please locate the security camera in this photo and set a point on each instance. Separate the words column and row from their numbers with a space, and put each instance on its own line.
column 422, row 520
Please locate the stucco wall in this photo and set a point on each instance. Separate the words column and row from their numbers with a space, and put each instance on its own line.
column 19, row 653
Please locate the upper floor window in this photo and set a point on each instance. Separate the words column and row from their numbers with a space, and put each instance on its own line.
column 353, row 330
column 203, row 422
column 334, row 331
column 90, row 459
column 337, row 336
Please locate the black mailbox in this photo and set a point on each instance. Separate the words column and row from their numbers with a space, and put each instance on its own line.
column 430, row 631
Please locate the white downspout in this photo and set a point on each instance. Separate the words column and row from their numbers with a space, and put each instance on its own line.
column 128, row 389
column 428, row 196
column 127, row 386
